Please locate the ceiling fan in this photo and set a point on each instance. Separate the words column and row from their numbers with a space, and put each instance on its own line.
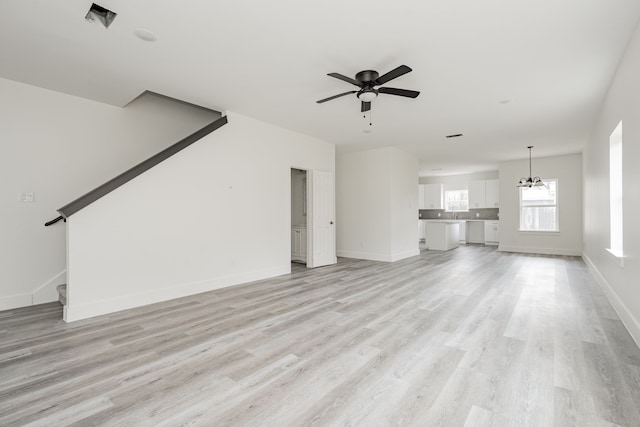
column 367, row 80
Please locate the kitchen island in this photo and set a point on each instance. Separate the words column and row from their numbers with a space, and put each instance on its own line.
column 442, row 235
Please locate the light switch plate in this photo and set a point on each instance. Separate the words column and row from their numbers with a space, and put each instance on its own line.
column 27, row 197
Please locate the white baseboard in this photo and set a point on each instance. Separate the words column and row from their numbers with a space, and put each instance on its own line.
column 372, row 256
column 48, row 292
column 630, row 322
column 45, row 293
column 124, row 302
column 15, row 301
column 405, row 254
column 540, row 251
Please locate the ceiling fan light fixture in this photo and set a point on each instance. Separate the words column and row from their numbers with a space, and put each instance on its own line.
column 367, row 95
column 367, row 80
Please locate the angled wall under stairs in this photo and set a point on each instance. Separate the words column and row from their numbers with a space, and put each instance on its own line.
column 83, row 201
column 57, row 147
column 215, row 214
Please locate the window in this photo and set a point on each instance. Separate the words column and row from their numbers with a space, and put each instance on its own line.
column 615, row 191
column 539, row 207
column 456, row 201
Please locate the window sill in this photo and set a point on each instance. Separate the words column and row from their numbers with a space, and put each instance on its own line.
column 617, row 256
column 539, row 231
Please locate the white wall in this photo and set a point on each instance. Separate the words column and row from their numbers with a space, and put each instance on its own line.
column 568, row 171
column 377, row 204
column 59, row 147
column 404, row 204
column 216, row 214
column 621, row 284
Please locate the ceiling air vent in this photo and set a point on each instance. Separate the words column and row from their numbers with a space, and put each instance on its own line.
column 100, row 14
column 455, row 135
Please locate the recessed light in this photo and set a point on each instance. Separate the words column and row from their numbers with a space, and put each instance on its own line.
column 145, row 35
column 455, row 135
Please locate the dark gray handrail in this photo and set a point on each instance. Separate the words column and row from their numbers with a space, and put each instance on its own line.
column 138, row 169
column 53, row 221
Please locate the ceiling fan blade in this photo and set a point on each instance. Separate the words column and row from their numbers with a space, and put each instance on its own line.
column 345, row 78
column 401, row 70
column 366, row 106
column 336, row 96
column 399, row 92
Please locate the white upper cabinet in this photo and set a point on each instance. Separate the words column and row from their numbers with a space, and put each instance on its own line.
column 433, row 196
column 491, row 193
column 477, row 195
column 421, row 196
column 483, row 194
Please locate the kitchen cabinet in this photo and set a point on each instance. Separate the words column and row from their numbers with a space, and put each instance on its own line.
column 475, row 232
column 442, row 235
column 491, row 193
column 462, row 231
column 422, row 230
column 483, row 194
column 491, row 229
column 421, row 196
column 477, row 195
column 433, row 196
column 299, row 243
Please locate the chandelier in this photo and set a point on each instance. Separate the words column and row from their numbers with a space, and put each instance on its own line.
column 531, row 181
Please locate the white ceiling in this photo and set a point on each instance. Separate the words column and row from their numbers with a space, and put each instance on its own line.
column 554, row 59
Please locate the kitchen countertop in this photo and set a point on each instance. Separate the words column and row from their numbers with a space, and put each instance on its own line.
column 456, row 220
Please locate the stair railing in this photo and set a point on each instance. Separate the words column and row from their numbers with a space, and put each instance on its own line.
column 53, row 221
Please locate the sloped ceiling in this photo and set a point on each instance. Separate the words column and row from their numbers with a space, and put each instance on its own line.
column 505, row 73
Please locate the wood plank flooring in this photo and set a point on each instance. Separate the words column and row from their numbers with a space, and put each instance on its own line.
column 469, row 337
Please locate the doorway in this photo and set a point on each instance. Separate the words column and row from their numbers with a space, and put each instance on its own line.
column 313, row 233
column 299, row 228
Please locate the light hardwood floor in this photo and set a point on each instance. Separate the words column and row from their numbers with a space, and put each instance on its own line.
column 470, row 337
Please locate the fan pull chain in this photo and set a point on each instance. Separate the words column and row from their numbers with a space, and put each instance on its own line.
column 364, row 116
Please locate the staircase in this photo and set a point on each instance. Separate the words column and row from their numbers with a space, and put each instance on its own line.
column 62, row 293
column 127, row 176
column 98, row 192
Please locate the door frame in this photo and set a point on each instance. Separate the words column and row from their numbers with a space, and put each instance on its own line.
column 308, row 213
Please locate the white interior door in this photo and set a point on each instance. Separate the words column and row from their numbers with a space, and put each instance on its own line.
column 322, row 229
